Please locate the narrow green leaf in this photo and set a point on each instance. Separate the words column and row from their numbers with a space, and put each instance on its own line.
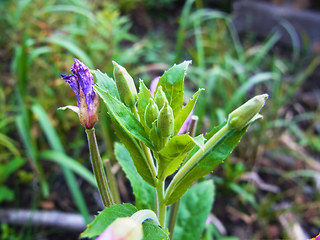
column 68, row 162
column 143, row 192
column 172, row 84
column 7, row 169
column 56, row 145
column 209, row 161
column 124, row 117
column 181, row 116
column 106, row 83
column 143, row 99
column 172, row 155
column 69, row 8
column 106, row 217
column 8, row 143
column 62, row 41
column 194, row 209
column 136, row 153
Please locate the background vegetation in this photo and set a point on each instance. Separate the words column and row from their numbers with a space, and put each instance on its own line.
column 270, row 182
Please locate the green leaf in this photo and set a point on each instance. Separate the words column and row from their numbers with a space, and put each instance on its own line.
column 143, row 100
column 153, row 232
column 194, row 209
column 124, row 117
column 7, row 169
column 106, row 83
column 68, row 162
column 69, row 8
column 62, row 41
column 143, row 192
column 181, row 116
column 172, row 155
column 136, row 153
column 6, row 194
column 172, row 84
column 209, row 161
column 106, row 217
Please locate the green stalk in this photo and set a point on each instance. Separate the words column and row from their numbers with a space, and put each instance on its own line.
column 173, row 217
column 161, row 205
column 175, row 207
column 195, row 158
column 145, row 149
column 98, row 169
column 113, row 183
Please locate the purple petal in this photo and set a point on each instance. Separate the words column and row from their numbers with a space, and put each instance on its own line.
column 184, row 126
column 73, row 82
column 153, row 85
column 85, row 80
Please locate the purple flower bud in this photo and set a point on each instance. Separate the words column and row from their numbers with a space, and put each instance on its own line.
column 81, row 82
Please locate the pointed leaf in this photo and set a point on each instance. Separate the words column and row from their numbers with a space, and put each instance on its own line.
column 106, row 83
column 172, row 155
column 196, row 204
column 143, row 99
column 143, row 192
column 172, row 84
column 209, row 161
column 135, row 152
column 124, row 117
column 181, row 117
column 106, row 217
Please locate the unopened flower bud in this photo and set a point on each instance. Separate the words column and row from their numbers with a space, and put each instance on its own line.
column 240, row 117
column 166, row 122
column 160, row 97
column 125, row 84
column 124, row 228
column 81, row 82
column 151, row 113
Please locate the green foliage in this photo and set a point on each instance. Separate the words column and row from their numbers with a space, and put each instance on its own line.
column 124, row 117
column 194, row 210
column 169, row 158
column 208, row 161
column 108, row 215
column 144, row 193
column 172, row 84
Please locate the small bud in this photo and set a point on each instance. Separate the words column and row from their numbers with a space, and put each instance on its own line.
column 124, row 228
column 240, row 117
column 160, row 97
column 151, row 113
column 125, row 84
column 166, row 122
column 81, row 81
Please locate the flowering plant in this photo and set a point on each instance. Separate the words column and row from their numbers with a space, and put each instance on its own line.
column 153, row 148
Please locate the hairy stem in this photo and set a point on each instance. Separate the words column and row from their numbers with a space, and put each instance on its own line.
column 98, row 169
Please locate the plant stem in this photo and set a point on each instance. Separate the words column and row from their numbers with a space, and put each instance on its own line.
column 161, row 205
column 145, row 149
column 194, row 159
column 113, row 183
column 173, row 217
column 98, row 169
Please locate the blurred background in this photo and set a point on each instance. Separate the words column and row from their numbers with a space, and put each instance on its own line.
column 268, row 188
